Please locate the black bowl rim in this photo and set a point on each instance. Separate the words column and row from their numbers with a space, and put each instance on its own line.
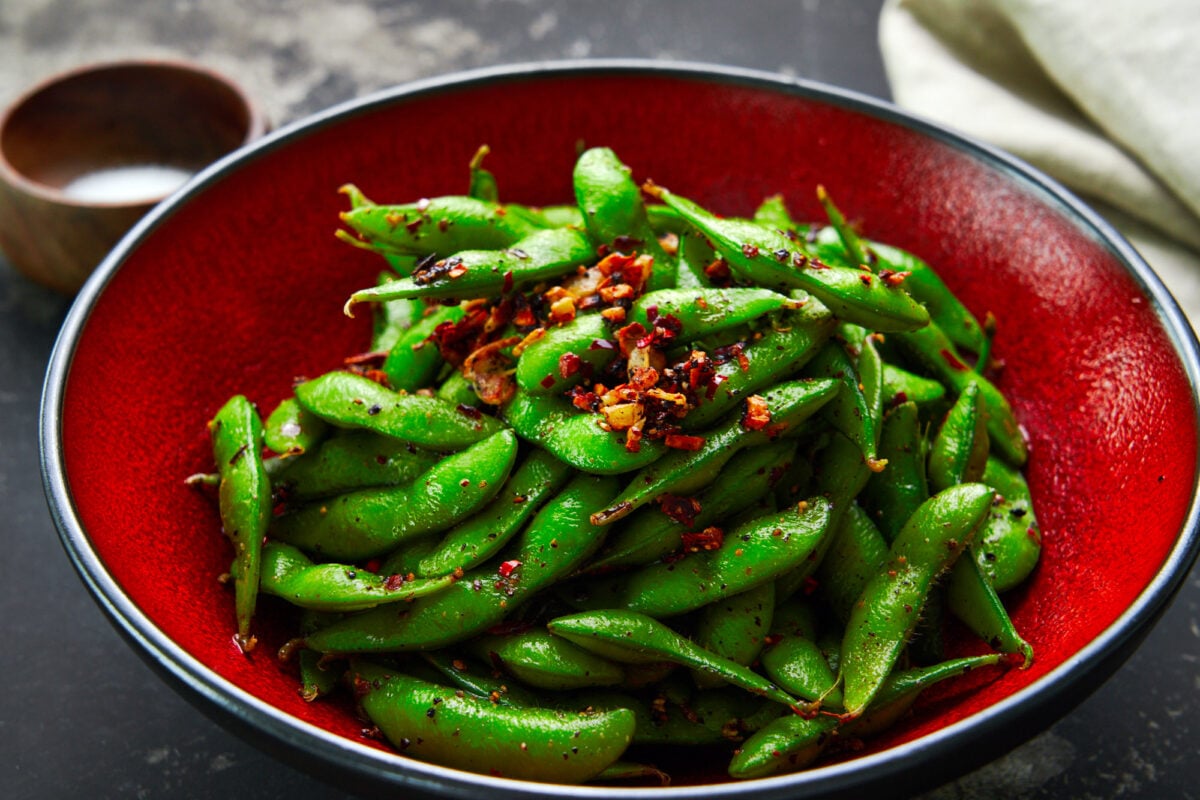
column 986, row 733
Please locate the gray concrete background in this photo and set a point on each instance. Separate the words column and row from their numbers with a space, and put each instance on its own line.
column 80, row 715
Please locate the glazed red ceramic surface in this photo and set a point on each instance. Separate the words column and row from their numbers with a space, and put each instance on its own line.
column 239, row 289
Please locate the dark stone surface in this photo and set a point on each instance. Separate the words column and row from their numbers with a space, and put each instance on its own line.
column 82, row 716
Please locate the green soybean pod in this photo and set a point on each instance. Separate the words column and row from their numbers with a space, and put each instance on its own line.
column 479, row 679
column 751, row 554
column 787, row 744
column 972, row 599
column 478, row 538
column 772, row 260
column 649, row 535
column 291, row 430
column 890, row 497
column 565, row 355
column 855, row 555
column 575, row 436
column 370, row 522
column 544, row 254
column 457, row 389
column 352, row 401
column 437, row 225
column 687, row 471
column 794, row 661
column 936, row 354
column 393, row 318
column 289, row 574
column 614, row 212
column 543, row 661
column 778, row 354
column 902, row 386
column 735, row 628
column 316, row 679
column 1010, row 543
column 350, row 460
column 888, row 609
column 433, row 723
column 627, row 636
column 703, row 312
column 902, row 688
column 244, row 500
column 959, row 452
column 554, row 544
column 413, row 360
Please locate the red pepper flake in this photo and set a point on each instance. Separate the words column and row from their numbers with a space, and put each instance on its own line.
column 758, row 413
column 717, row 270
column 547, row 382
column 507, row 286
column 954, row 361
column 373, row 565
column 614, row 262
column 470, row 412
column 713, row 384
column 681, row 509
column 601, row 344
column 892, row 277
column 865, row 278
column 633, row 439
column 708, row 539
column 393, row 582
column 569, row 364
column 508, row 567
column 457, row 271
column 373, row 357
column 742, row 359
column 679, row 441
column 749, row 250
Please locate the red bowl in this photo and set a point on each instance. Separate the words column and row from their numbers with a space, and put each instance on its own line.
column 236, row 285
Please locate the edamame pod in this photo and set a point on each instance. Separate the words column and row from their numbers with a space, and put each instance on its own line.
column 370, row 522
column 748, row 556
column 291, row 575
column 433, row 723
column 543, row 661
column 244, row 499
column 889, row 606
column 575, row 436
column 466, row 274
column 687, row 471
column 291, row 431
column 627, row 636
column 352, row 401
column 347, row 461
column 477, row 539
column 440, row 225
column 771, row 259
column 555, row 543
column 614, row 212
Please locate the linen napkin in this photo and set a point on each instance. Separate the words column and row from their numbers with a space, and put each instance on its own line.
column 1103, row 95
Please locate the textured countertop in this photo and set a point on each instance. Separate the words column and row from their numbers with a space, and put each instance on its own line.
column 82, row 716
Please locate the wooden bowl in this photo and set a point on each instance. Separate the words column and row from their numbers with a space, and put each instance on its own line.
column 237, row 285
column 87, row 153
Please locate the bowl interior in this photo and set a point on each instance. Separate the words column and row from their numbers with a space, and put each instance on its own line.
column 239, row 288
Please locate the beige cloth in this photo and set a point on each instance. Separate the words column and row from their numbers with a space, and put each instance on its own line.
column 1103, row 95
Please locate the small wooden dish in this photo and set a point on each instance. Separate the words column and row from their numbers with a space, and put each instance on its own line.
column 86, row 153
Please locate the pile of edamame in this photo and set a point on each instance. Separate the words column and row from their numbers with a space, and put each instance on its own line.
column 626, row 473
